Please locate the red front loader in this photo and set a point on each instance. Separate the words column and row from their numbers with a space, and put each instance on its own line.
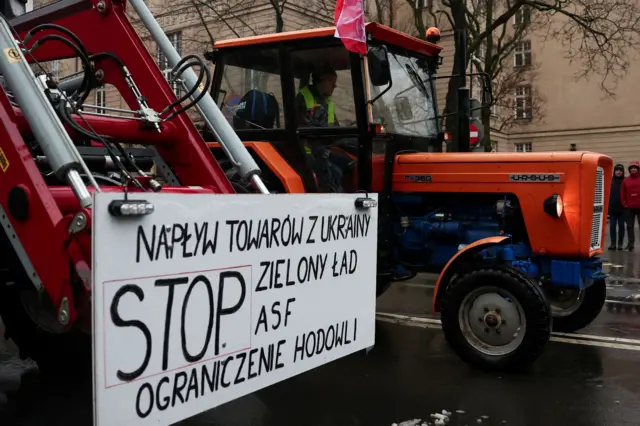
column 55, row 152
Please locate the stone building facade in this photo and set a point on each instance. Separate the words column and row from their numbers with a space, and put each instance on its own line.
column 575, row 113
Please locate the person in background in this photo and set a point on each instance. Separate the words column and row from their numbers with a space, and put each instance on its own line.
column 616, row 212
column 630, row 197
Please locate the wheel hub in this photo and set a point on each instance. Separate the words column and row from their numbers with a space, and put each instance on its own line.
column 565, row 302
column 491, row 321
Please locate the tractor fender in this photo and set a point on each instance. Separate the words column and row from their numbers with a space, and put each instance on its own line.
column 459, row 258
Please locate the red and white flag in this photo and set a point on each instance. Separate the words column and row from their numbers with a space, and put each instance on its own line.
column 349, row 22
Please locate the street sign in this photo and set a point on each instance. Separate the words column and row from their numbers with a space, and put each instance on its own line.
column 474, row 133
column 211, row 297
column 476, row 130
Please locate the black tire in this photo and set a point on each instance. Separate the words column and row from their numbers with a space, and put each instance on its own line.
column 529, row 296
column 592, row 304
column 66, row 355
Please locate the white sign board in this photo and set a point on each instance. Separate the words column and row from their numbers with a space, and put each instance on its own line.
column 212, row 297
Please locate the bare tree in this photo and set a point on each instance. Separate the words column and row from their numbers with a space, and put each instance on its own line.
column 598, row 34
column 516, row 100
column 278, row 7
column 495, row 56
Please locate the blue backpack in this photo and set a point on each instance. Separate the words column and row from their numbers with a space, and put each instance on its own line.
column 257, row 110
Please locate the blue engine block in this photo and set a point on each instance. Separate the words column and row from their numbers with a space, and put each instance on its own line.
column 427, row 242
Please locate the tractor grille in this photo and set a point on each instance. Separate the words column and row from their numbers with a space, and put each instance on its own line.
column 598, row 211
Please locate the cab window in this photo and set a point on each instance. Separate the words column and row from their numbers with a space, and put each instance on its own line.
column 250, row 93
column 324, row 89
column 408, row 106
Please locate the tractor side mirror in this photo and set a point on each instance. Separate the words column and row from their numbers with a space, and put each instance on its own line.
column 379, row 67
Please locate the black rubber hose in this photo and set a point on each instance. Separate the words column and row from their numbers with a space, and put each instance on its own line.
column 64, row 30
column 181, row 66
column 187, row 94
column 67, row 118
column 85, row 60
column 197, row 98
column 204, row 72
column 110, row 55
column 68, row 32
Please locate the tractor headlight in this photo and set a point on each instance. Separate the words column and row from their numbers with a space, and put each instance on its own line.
column 554, row 206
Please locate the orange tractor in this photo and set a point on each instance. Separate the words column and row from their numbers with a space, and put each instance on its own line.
column 515, row 237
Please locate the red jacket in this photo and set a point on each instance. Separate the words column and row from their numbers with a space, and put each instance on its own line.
column 630, row 191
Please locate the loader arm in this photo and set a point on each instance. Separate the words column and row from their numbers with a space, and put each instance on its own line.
column 32, row 108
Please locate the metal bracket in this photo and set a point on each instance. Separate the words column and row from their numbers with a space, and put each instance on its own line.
column 163, row 168
column 78, row 223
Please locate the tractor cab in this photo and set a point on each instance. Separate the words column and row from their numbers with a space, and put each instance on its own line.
column 319, row 118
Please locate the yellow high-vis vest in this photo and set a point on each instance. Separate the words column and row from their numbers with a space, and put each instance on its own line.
column 310, row 102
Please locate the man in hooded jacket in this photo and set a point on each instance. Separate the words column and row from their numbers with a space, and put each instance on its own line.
column 630, row 197
column 616, row 212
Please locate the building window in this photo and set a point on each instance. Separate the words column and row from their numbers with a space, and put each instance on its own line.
column 522, row 53
column 101, row 100
column 523, row 16
column 493, row 109
column 163, row 63
column 523, row 103
column 524, row 147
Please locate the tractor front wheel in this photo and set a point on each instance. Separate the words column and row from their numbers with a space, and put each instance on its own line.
column 496, row 318
column 30, row 321
column 575, row 309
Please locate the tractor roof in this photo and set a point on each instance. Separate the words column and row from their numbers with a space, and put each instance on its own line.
column 378, row 31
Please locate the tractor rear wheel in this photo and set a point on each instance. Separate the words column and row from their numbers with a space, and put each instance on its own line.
column 575, row 309
column 496, row 318
column 30, row 322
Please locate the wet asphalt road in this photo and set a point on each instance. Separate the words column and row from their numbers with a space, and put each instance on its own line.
column 410, row 374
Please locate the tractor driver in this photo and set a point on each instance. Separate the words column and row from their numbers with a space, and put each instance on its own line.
column 314, row 103
column 315, row 108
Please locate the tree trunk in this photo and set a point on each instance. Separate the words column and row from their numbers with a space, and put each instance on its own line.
column 488, row 67
column 486, row 122
column 451, row 104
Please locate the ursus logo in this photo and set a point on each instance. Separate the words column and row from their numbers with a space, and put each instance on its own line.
column 541, row 177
